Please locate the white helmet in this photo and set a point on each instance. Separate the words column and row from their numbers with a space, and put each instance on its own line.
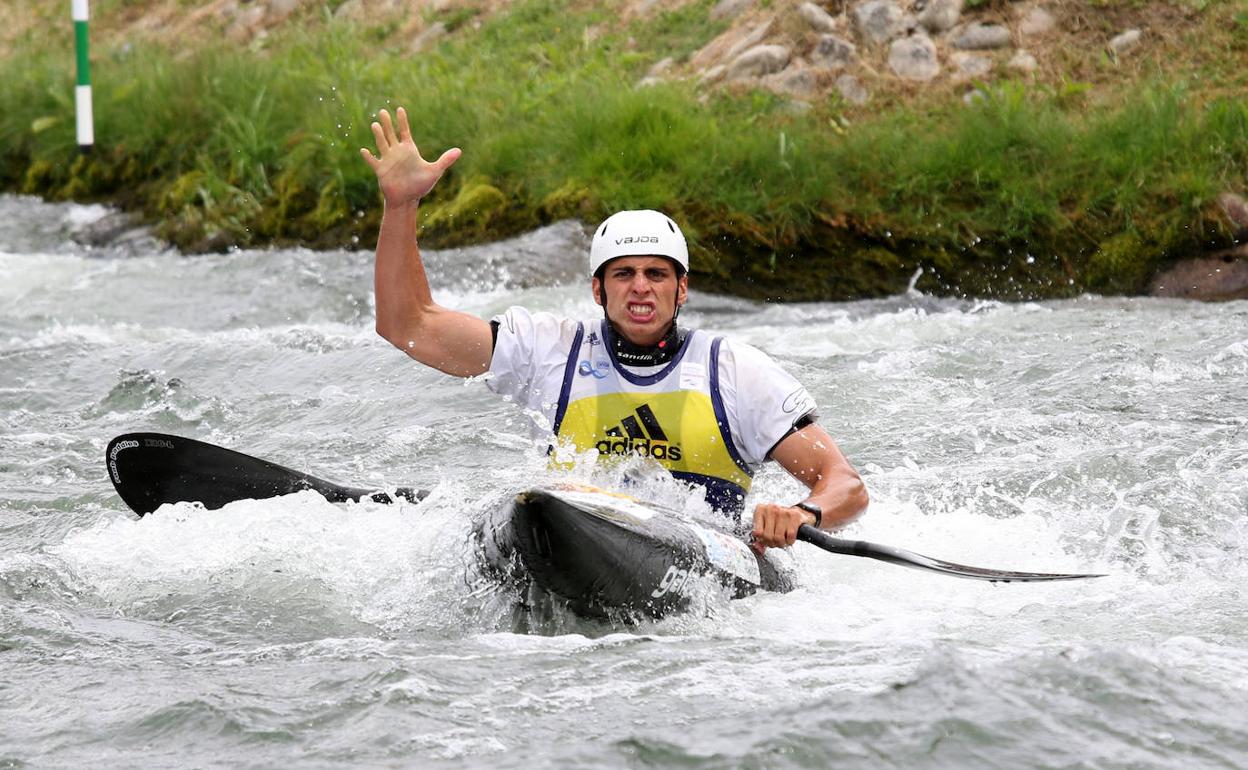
column 638, row 234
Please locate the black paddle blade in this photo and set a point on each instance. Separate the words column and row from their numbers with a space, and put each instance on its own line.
column 150, row 469
column 906, row 558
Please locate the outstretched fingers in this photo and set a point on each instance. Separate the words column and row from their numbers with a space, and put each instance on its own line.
column 405, row 131
column 387, row 127
column 448, row 158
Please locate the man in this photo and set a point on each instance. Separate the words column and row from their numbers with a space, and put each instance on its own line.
column 707, row 410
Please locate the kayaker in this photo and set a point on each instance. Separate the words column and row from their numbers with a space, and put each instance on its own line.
column 709, row 410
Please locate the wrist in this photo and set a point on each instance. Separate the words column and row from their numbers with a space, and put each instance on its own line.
column 813, row 510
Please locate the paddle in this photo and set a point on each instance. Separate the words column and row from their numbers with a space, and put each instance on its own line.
column 892, row 555
column 150, row 469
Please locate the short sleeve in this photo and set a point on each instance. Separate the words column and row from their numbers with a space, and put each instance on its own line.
column 763, row 402
column 531, row 351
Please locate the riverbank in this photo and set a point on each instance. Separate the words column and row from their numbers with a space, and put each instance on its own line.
column 1097, row 170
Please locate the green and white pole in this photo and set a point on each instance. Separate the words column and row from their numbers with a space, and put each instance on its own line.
column 82, row 91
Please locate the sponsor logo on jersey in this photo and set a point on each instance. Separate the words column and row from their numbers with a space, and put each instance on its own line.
column 599, row 369
column 639, row 433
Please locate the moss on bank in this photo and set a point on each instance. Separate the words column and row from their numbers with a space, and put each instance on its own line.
column 1035, row 190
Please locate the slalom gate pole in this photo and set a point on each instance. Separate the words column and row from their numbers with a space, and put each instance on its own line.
column 82, row 91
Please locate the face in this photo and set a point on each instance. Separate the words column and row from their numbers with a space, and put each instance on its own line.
column 642, row 296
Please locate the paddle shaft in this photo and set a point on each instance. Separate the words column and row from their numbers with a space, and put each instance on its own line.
column 904, row 558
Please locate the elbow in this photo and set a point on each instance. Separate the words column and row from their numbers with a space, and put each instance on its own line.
column 856, row 497
column 395, row 336
column 860, row 496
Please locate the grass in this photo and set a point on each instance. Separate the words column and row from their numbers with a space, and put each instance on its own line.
column 222, row 147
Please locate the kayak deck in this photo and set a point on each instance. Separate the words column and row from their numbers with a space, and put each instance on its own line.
column 611, row 556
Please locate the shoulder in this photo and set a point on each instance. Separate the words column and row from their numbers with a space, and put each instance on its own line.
column 740, row 360
column 755, row 378
column 524, row 325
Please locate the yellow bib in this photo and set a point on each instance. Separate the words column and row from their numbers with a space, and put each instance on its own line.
column 670, row 417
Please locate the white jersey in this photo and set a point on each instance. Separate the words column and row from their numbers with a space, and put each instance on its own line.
column 544, row 362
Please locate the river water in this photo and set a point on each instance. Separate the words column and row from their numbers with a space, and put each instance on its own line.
column 1095, row 434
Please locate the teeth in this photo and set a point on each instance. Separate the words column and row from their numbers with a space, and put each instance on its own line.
column 639, row 309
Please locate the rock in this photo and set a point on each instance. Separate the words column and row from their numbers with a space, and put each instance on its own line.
column 852, row 90
column 106, row 229
column 729, row 9
column 940, row 15
column 712, row 75
column 758, row 61
column 877, row 21
column 1125, row 42
column 1022, row 61
column 1236, row 210
column 661, row 68
column 973, row 97
column 970, row 66
column 280, row 10
column 982, row 37
column 428, row 37
column 833, row 52
column 1034, row 21
column 349, row 9
column 640, row 8
column 246, row 23
column 729, row 45
column 914, row 58
column 1216, row 277
column 798, row 81
column 657, row 73
column 819, row 19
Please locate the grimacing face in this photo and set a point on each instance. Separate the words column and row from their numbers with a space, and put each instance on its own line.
column 642, row 295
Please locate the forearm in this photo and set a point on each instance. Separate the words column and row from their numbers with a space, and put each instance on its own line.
column 399, row 281
column 841, row 495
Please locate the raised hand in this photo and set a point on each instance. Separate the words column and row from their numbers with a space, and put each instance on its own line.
column 404, row 176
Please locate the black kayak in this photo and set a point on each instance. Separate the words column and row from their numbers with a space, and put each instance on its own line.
column 603, row 554
column 607, row 555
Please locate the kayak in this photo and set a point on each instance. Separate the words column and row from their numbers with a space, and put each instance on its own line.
column 608, row 555
column 603, row 554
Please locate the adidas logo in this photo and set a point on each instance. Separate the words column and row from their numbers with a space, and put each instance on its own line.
column 639, row 433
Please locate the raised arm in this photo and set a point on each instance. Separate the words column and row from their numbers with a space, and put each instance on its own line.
column 812, row 457
column 407, row 317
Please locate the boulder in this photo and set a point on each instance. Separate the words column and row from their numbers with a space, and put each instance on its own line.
column 1035, row 21
column 1236, row 210
column 712, row 75
column 1216, row 277
column 970, row 66
column 729, row 9
column 798, row 81
column 729, row 45
column 1022, row 61
column 877, row 21
column 280, row 10
column 759, row 61
column 428, row 37
column 940, row 15
column 852, row 90
column 1125, row 42
column 982, row 37
column 914, row 58
column 819, row 19
column 833, row 52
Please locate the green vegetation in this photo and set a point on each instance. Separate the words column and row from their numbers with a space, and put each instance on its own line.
column 1034, row 190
